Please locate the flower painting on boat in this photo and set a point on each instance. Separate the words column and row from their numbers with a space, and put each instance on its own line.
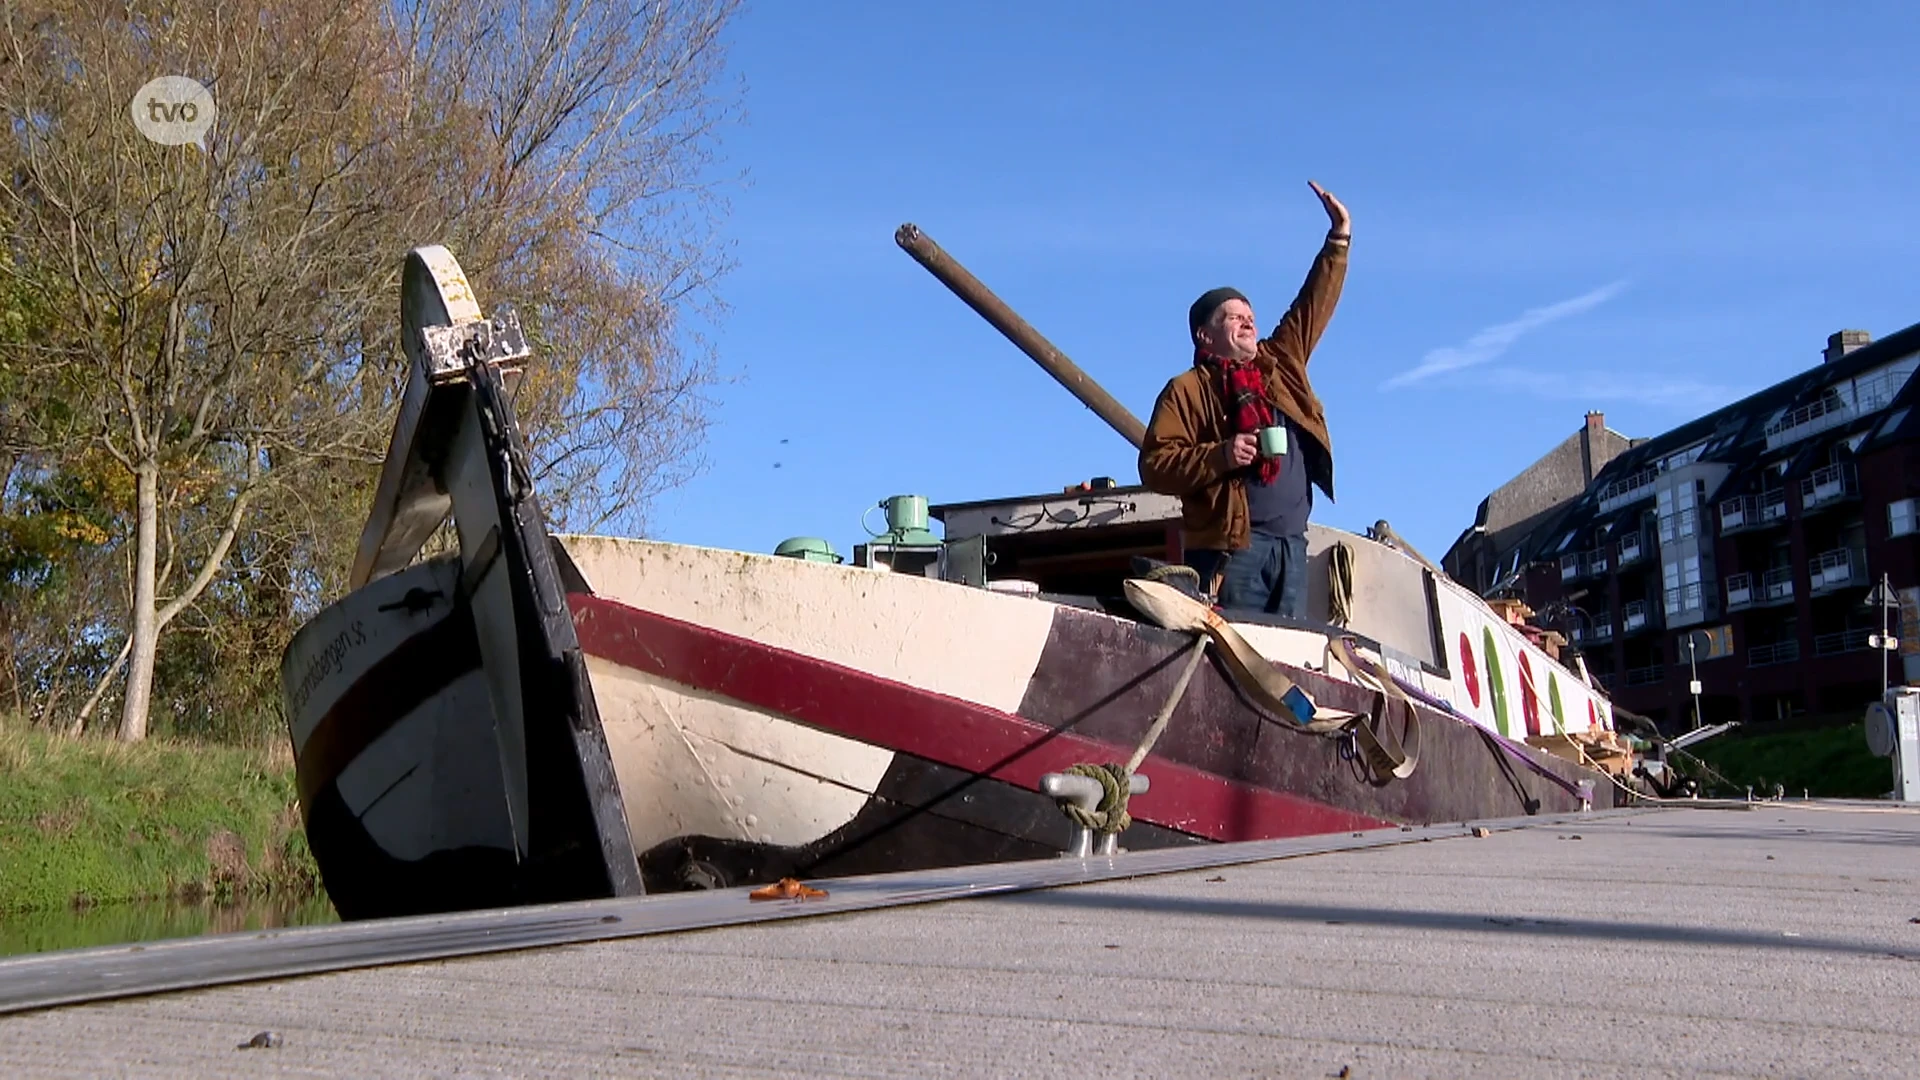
column 1496, row 688
column 1467, row 670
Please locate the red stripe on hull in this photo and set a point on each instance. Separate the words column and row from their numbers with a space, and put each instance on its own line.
column 831, row 697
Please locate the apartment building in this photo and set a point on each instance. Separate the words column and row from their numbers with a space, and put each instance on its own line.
column 1539, row 495
column 1753, row 535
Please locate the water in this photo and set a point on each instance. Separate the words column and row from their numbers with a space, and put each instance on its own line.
column 153, row 920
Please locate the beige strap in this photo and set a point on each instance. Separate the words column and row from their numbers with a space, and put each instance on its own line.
column 1168, row 607
column 1384, row 749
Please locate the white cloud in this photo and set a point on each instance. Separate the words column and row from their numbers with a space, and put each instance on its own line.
column 1687, row 395
column 1491, row 342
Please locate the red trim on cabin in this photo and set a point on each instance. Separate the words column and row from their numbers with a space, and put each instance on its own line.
column 948, row 730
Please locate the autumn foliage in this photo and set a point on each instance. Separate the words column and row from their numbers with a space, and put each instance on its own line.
column 198, row 360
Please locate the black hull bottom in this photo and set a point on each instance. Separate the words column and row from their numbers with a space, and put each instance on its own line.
column 364, row 881
column 923, row 816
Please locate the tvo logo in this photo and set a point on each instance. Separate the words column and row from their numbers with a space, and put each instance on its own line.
column 174, row 110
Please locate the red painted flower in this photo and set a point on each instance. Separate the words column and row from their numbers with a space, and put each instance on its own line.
column 1593, row 715
column 1467, row 669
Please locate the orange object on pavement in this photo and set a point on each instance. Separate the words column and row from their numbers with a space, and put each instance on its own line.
column 786, row 889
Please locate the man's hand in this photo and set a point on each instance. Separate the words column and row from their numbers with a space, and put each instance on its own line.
column 1342, row 223
column 1239, row 450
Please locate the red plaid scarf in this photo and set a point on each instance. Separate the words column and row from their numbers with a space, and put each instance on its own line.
column 1245, row 389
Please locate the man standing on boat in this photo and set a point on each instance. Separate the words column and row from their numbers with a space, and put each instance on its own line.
column 1240, row 436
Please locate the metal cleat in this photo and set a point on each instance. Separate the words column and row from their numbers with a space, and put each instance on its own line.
column 1086, row 792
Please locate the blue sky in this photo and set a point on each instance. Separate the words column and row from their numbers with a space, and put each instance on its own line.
column 1647, row 210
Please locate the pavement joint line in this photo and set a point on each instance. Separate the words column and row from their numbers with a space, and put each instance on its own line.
column 75, row 976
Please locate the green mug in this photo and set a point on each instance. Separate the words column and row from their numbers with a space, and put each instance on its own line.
column 1273, row 441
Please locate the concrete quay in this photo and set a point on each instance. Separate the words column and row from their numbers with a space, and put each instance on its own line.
column 1778, row 940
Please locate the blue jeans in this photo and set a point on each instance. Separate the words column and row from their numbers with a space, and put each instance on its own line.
column 1270, row 575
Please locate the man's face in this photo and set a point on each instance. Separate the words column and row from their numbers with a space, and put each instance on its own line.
column 1230, row 331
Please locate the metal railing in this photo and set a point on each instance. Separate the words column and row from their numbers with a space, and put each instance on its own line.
column 1579, row 564
column 1784, row 652
column 1752, row 511
column 1817, row 416
column 1679, row 524
column 1739, row 591
column 1644, row 676
column 1629, row 488
column 1743, row 590
column 1841, row 641
column 1629, row 550
column 1684, row 598
column 1837, row 569
column 1836, row 406
column 1635, row 617
column 1831, row 484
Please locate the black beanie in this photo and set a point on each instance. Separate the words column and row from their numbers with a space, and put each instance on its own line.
column 1203, row 308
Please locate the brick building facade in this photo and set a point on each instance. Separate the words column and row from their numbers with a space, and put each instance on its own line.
column 1765, row 524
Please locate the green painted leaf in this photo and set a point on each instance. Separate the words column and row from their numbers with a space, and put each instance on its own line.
column 1496, row 685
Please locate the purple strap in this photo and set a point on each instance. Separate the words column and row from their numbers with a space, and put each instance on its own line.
column 1492, row 737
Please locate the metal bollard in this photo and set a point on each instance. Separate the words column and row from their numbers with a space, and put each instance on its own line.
column 1085, row 792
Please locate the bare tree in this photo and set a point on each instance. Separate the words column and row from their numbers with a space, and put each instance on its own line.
column 585, row 130
column 223, row 324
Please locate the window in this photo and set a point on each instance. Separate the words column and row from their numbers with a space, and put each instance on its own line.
column 1901, row 518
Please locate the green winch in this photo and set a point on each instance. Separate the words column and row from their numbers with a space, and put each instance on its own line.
column 808, row 549
column 906, row 522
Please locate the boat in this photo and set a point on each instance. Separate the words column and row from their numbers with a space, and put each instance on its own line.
column 503, row 715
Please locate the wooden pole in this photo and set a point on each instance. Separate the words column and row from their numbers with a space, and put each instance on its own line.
column 991, row 308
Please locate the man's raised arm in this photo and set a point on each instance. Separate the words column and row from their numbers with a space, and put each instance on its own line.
column 1294, row 338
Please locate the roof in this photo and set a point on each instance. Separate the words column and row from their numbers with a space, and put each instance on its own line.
column 939, row 511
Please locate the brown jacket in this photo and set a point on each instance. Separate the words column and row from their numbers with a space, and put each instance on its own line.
column 1182, row 452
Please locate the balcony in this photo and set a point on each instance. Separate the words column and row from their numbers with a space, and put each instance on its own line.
column 1841, row 568
column 1636, row 617
column 1837, row 406
column 1583, row 564
column 1831, row 410
column 1628, row 489
column 1784, row 652
column 1679, row 525
column 1598, row 630
column 1829, row 486
column 1746, row 512
column 1774, row 587
column 1607, row 680
column 1684, row 599
column 1628, row 551
column 1645, row 676
column 1843, row 641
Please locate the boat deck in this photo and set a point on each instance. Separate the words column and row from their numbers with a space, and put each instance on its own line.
column 1780, row 939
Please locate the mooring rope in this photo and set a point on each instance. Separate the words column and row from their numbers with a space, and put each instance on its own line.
column 1116, row 781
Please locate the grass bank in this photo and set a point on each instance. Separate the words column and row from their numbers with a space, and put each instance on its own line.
column 95, row 821
column 1830, row 762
